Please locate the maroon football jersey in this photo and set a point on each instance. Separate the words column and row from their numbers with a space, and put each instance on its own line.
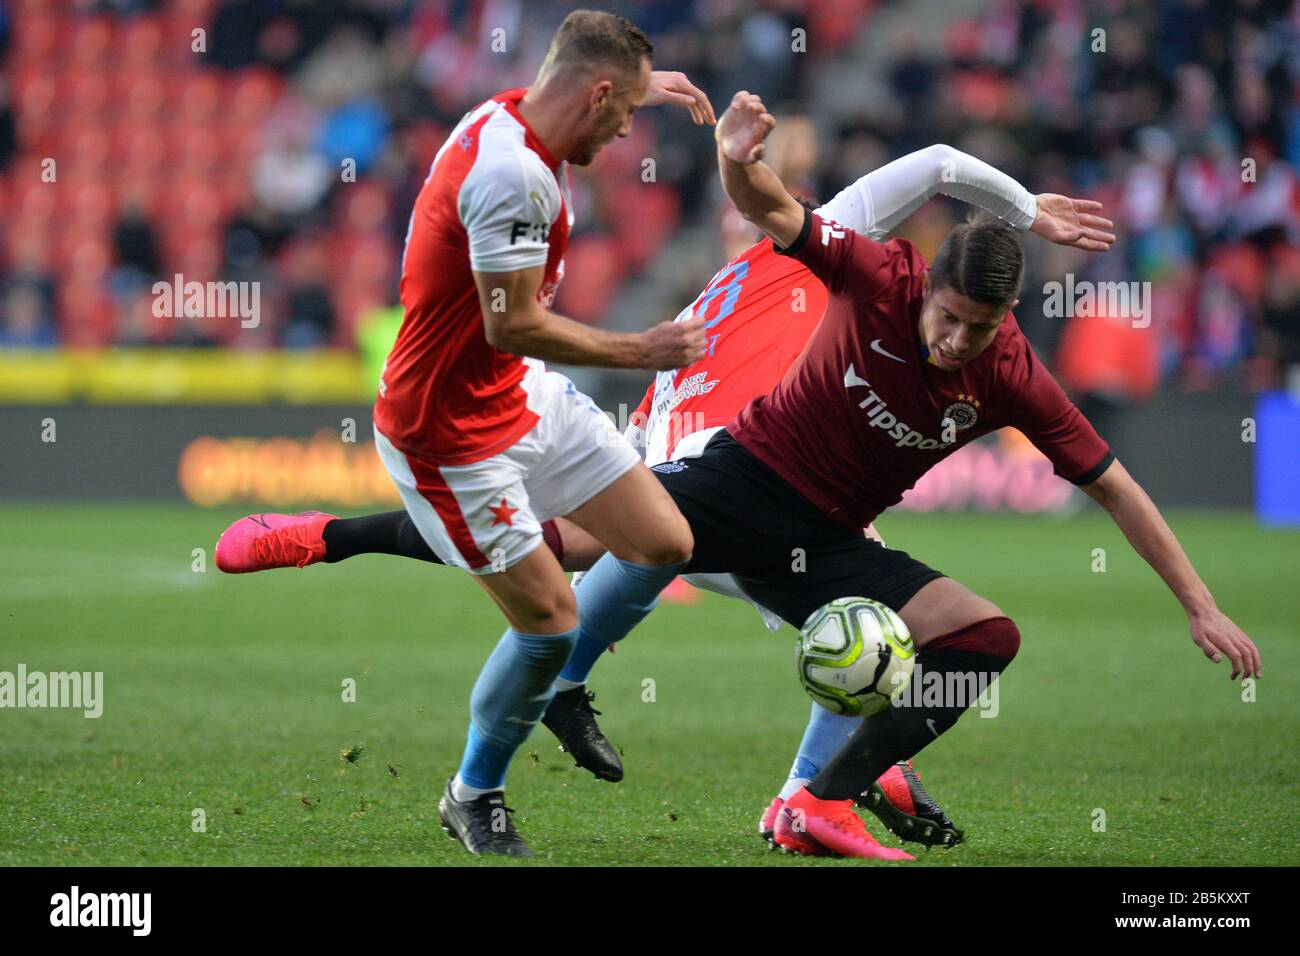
column 860, row 416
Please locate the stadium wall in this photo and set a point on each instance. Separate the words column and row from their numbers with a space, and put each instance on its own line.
column 1187, row 450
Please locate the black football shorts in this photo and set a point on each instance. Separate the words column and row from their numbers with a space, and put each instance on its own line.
column 784, row 552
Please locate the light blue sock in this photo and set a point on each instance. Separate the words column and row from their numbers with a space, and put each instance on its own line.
column 508, row 699
column 822, row 739
column 613, row 597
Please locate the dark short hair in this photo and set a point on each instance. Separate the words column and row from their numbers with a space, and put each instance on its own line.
column 592, row 37
column 982, row 259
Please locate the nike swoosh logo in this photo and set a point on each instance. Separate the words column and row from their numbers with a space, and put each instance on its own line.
column 929, row 722
column 875, row 347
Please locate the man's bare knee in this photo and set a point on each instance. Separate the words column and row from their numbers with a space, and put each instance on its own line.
column 671, row 546
column 548, row 613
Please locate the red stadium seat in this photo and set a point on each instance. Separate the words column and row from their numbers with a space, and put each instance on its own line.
column 139, row 146
column 80, row 254
column 35, row 93
column 88, row 96
column 92, row 40
column 197, row 96
column 141, row 41
column 90, row 258
column 197, row 151
column 192, row 201
column 142, row 96
column 243, row 143
column 38, row 37
column 89, row 203
column 22, row 76
column 197, row 256
column 250, row 95
column 36, row 202
column 91, row 146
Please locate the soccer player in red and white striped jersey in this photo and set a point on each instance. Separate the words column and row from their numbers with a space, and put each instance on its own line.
column 482, row 441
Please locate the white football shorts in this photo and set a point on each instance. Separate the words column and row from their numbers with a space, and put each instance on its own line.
column 486, row 516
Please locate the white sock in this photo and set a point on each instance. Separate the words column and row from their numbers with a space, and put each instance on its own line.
column 793, row 786
column 462, row 792
column 561, row 684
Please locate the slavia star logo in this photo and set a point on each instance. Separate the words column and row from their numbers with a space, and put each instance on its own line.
column 504, row 513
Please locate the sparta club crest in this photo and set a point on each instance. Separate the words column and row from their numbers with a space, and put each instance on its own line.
column 963, row 412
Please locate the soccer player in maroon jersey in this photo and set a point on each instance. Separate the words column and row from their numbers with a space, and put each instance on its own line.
column 908, row 364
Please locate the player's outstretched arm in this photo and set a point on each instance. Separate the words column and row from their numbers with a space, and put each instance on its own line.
column 1137, row 516
column 879, row 202
column 750, row 183
column 514, row 321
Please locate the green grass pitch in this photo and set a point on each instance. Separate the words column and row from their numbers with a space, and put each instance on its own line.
column 224, row 694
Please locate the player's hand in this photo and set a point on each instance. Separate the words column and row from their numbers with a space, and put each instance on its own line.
column 1072, row 222
column 671, row 345
column 743, row 128
column 667, row 87
column 1216, row 635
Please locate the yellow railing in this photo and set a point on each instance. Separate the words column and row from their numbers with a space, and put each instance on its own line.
column 183, row 376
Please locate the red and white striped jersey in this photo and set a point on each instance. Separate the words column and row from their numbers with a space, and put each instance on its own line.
column 752, row 340
column 495, row 200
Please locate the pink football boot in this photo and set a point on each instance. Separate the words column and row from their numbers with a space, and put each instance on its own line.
column 790, row 835
column 261, row 542
column 815, row 827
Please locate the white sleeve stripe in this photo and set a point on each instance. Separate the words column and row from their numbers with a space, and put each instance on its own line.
column 876, row 204
column 512, row 261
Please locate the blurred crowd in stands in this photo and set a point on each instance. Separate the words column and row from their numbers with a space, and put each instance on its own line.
column 284, row 143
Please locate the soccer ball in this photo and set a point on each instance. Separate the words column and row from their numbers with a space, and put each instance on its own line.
column 855, row 656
